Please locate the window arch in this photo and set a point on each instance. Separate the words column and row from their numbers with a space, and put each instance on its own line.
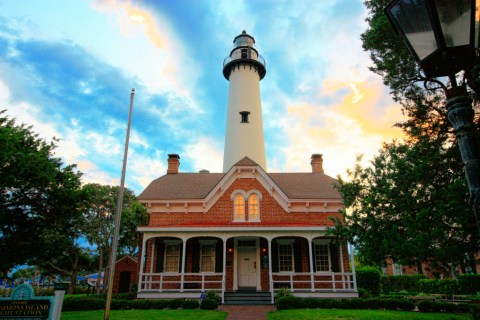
column 239, row 198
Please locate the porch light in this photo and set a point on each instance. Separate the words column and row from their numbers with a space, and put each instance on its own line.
column 443, row 37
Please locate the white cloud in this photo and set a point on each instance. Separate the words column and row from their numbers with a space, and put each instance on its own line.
column 205, row 153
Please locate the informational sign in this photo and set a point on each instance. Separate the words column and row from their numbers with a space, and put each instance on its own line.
column 23, row 305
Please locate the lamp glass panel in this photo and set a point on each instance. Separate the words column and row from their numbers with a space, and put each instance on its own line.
column 477, row 24
column 413, row 19
column 455, row 17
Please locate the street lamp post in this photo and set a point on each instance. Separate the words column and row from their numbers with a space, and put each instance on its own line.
column 443, row 36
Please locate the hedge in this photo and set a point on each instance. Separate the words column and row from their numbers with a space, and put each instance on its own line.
column 97, row 303
column 401, row 283
column 293, row 302
column 469, row 283
column 437, row 306
column 209, row 304
column 368, row 278
column 443, row 286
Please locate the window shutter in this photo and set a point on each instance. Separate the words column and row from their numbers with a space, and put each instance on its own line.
column 219, row 257
column 334, row 258
column 196, row 257
column 297, row 255
column 160, row 256
column 180, row 251
column 274, row 256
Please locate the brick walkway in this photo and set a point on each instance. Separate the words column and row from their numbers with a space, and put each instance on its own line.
column 246, row 312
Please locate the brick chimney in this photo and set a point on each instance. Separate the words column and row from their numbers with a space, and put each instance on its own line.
column 317, row 163
column 173, row 163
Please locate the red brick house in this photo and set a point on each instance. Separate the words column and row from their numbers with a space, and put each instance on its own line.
column 243, row 229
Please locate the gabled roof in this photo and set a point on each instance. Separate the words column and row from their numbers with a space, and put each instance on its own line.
column 246, row 162
column 183, row 186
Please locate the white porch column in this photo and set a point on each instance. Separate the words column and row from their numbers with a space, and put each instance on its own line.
column 153, row 255
column 270, row 268
column 224, row 269
column 352, row 258
column 142, row 264
column 182, row 277
column 342, row 267
column 310, row 258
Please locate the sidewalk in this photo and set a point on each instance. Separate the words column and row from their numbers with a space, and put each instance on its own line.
column 243, row 312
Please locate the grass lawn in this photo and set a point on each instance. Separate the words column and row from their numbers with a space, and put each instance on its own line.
column 336, row 314
column 146, row 315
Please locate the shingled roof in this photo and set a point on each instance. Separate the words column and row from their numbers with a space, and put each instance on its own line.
column 296, row 185
column 181, row 186
column 305, row 185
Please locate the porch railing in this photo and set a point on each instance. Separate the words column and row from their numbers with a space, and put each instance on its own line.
column 159, row 282
column 316, row 282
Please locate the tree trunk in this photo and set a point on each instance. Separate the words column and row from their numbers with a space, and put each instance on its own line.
column 73, row 276
column 472, row 262
column 99, row 274
column 419, row 266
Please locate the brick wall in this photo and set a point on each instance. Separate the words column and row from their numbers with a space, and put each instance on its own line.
column 125, row 264
column 222, row 211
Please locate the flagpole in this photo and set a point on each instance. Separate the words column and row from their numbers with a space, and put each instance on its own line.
column 113, row 252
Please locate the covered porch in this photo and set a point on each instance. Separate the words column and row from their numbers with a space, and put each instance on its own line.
column 185, row 263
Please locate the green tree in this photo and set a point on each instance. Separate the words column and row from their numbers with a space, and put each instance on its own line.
column 412, row 202
column 39, row 197
column 100, row 208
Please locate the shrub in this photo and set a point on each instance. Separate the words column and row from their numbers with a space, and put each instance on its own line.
column 175, row 303
column 401, row 283
column 475, row 312
column 124, row 296
column 190, row 304
column 469, row 283
column 368, row 278
column 428, row 286
column 283, row 292
column 443, row 286
column 212, row 294
column 82, row 304
column 436, row 306
column 209, row 304
column 290, row 302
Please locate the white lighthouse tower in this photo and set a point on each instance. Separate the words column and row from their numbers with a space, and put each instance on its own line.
column 244, row 68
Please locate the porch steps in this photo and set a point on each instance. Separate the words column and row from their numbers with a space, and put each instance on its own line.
column 248, row 298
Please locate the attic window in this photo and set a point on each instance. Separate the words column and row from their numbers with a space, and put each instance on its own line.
column 244, row 115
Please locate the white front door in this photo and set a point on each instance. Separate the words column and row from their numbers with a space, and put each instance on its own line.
column 247, row 267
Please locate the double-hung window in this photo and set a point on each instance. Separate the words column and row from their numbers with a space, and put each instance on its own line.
column 172, row 256
column 207, row 256
column 285, row 255
column 253, row 208
column 239, row 207
column 322, row 257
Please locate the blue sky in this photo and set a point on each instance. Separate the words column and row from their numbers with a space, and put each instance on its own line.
column 67, row 68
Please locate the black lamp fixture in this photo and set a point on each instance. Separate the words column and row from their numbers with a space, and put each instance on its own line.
column 443, row 36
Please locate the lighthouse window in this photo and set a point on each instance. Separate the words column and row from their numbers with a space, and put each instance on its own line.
column 244, row 116
column 244, row 53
